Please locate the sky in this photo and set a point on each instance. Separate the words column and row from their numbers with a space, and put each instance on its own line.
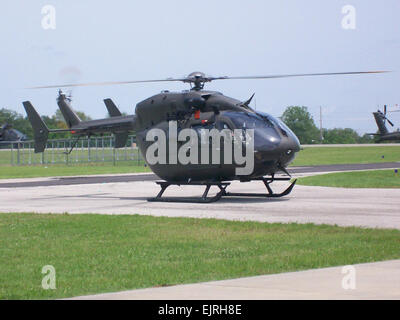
column 138, row 40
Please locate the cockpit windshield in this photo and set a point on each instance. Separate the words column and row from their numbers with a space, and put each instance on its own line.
column 277, row 122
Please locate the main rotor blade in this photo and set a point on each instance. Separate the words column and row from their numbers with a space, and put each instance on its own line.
column 187, row 79
column 87, row 84
column 295, row 75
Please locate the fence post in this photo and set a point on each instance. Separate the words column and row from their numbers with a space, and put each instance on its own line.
column 66, row 152
column 102, row 147
column 12, row 154
column 89, row 149
column 18, row 154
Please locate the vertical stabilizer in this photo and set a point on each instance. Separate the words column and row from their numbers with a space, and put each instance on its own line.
column 113, row 111
column 40, row 130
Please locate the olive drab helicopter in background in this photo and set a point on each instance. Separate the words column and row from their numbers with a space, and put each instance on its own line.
column 383, row 133
column 9, row 134
column 275, row 145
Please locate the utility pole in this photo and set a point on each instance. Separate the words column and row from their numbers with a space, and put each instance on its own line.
column 320, row 124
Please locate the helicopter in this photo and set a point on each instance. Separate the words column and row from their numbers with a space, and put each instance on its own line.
column 383, row 133
column 8, row 134
column 274, row 145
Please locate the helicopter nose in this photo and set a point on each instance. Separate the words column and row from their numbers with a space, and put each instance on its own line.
column 288, row 148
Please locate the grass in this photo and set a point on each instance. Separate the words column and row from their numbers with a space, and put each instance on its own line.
column 356, row 179
column 9, row 172
column 100, row 253
column 312, row 156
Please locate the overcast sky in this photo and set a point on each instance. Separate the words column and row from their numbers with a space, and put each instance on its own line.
column 135, row 40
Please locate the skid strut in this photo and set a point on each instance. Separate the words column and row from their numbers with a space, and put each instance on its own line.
column 204, row 199
column 270, row 193
column 222, row 191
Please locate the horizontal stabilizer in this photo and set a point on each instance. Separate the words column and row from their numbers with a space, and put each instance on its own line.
column 112, row 108
column 120, row 139
column 40, row 130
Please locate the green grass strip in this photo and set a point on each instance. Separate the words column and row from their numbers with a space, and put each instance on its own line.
column 312, row 156
column 355, row 179
column 9, row 172
column 105, row 253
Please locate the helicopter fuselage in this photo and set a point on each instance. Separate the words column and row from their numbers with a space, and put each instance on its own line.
column 275, row 145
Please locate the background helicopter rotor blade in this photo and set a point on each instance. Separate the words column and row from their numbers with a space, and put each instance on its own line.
column 390, row 122
column 385, row 117
column 87, row 84
column 200, row 77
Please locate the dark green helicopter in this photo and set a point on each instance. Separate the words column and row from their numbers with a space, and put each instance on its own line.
column 274, row 144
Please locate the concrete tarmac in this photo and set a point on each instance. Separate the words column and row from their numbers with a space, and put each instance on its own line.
column 58, row 181
column 379, row 280
column 320, row 205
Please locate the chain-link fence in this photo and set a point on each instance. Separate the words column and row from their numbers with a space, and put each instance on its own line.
column 70, row 151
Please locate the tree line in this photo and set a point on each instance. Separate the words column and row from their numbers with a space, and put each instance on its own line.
column 300, row 121
column 21, row 123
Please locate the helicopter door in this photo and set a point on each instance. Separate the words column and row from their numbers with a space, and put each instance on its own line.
column 201, row 130
column 225, row 124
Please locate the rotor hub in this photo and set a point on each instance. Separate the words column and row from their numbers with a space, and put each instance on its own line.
column 198, row 79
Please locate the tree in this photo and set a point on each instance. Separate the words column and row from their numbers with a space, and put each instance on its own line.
column 18, row 121
column 339, row 136
column 300, row 121
column 367, row 138
column 21, row 123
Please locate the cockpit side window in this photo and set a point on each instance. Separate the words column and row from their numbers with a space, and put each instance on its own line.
column 250, row 121
column 199, row 127
column 222, row 124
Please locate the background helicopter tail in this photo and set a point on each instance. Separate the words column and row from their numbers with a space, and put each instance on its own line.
column 381, row 119
column 40, row 130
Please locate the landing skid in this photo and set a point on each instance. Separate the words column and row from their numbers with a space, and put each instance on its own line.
column 222, row 191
